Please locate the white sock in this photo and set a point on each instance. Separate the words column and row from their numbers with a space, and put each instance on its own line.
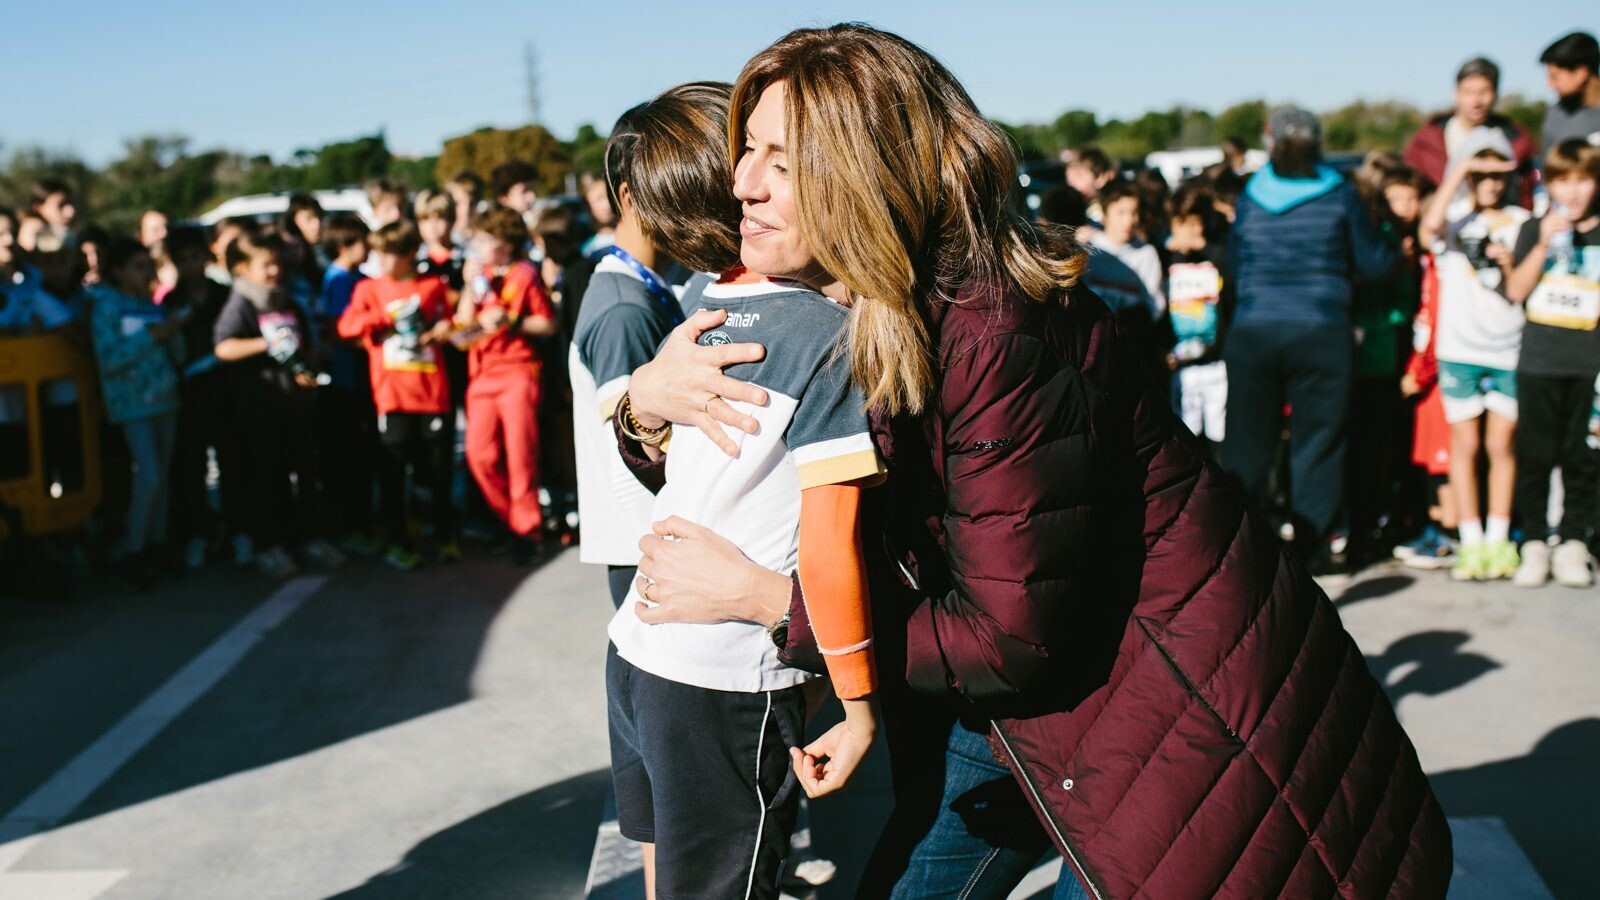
column 1497, row 529
column 1471, row 531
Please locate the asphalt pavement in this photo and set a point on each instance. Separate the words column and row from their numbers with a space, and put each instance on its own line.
column 366, row 733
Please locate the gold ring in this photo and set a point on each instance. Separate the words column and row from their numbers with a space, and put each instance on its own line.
column 646, row 592
column 705, row 408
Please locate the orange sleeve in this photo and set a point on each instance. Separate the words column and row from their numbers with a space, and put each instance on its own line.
column 835, row 579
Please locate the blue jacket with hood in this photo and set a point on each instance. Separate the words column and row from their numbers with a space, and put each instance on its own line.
column 1296, row 246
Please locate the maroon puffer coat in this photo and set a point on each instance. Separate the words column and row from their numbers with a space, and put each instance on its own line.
column 1176, row 696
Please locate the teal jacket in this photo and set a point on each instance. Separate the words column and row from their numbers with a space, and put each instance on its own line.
column 136, row 376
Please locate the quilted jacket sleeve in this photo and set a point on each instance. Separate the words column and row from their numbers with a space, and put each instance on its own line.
column 1018, row 470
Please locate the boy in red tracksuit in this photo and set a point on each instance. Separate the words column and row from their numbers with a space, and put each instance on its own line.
column 506, row 304
column 402, row 320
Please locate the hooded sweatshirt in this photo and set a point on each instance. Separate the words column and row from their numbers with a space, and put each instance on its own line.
column 1296, row 246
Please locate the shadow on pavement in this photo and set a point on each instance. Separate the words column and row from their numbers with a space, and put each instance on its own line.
column 1373, row 589
column 1440, row 666
column 373, row 648
column 1549, row 799
column 534, row 846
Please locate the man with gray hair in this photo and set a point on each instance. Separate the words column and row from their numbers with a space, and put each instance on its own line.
column 1431, row 150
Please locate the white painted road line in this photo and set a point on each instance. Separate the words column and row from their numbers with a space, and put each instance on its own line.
column 54, row 800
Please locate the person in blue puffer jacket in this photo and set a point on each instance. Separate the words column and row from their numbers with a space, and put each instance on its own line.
column 140, row 386
column 1300, row 240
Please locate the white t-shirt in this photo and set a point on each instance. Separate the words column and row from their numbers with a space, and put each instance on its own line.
column 1477, row 324
column 619, row 327
column 814, row 431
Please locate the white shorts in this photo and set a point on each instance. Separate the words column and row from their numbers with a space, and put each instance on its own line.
column 1202, row 394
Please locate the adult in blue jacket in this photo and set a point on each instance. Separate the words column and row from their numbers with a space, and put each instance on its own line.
column 1300, row 240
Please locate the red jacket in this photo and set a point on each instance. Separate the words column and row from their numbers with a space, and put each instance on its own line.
column 520, row 292
column 1426, row 153
column 1176, row 696
column 388, row 317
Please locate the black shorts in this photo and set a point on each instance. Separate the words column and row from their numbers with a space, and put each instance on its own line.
column 705, row 776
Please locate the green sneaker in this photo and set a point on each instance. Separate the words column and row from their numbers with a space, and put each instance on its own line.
column 1500, row 560
column 1472, row 563
column 401, row 559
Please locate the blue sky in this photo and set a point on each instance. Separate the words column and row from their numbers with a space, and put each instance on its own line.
column 275, row 76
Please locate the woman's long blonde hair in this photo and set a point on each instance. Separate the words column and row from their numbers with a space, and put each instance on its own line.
column 901, row 188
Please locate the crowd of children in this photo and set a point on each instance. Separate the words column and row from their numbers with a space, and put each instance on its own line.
column 290, row 392
column 1475, row 356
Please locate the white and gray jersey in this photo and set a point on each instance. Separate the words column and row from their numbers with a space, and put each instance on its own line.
column 619, row 327
column 813, row 431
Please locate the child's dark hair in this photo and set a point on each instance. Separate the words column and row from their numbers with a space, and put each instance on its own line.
column 1574, row 157
column 1155, row 197
column 343, row 231
column 1577, row 50
column 506, row 226
column 45, row 188
column 299, row 202
column 120, row 251
column 508, row 175
column 250, row 244
column 1094, row 159
column 186, row 239
column 1226, row 186
column 399, row 238
column 470, row 180
column 669, row 152
column 1193, row 198
column 556, row 226
column 10, row 215
column 1117, row 189
column 1063, row 205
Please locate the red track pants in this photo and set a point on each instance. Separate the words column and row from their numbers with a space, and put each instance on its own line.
column 503, row 443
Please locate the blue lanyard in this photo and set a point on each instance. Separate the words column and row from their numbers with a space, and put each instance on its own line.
column 663, row 294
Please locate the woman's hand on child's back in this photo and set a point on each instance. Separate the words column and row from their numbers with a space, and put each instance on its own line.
column 685, row 383
column 829, row 762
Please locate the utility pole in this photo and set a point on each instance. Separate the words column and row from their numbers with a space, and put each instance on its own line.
column 530, row 61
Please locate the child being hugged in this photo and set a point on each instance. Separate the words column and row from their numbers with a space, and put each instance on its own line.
column 693, row 706
column 1478, row 341
column 401, row 320
column 628, row 308
column 1558, row 274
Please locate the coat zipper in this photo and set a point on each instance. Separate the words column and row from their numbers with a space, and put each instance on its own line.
column 1044, row 810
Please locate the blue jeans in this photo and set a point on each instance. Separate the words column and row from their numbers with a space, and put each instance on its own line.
column 965, row 857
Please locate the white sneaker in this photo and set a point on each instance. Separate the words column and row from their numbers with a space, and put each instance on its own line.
column 322, row 554
column 1570, row 563
column 1535, row 568
column 244, row 550
column 275, row 563
column 194, row 554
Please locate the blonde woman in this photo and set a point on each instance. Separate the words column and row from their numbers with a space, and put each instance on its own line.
column 1060, row 579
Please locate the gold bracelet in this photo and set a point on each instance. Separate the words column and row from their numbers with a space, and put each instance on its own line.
column 635, row 430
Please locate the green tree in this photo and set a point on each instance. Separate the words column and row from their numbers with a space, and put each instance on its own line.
column 27, row 165
column 1527, row 113
column 482, row 150
column 1075, row 128
column 1362, row 126
column 1243, row 121
column 587, row 151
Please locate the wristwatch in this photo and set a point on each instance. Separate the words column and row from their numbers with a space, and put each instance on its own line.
column 779, row 632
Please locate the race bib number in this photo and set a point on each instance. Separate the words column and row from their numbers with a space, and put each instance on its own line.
column 403, row 349
column 1192, row 293
column 1565, row 301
